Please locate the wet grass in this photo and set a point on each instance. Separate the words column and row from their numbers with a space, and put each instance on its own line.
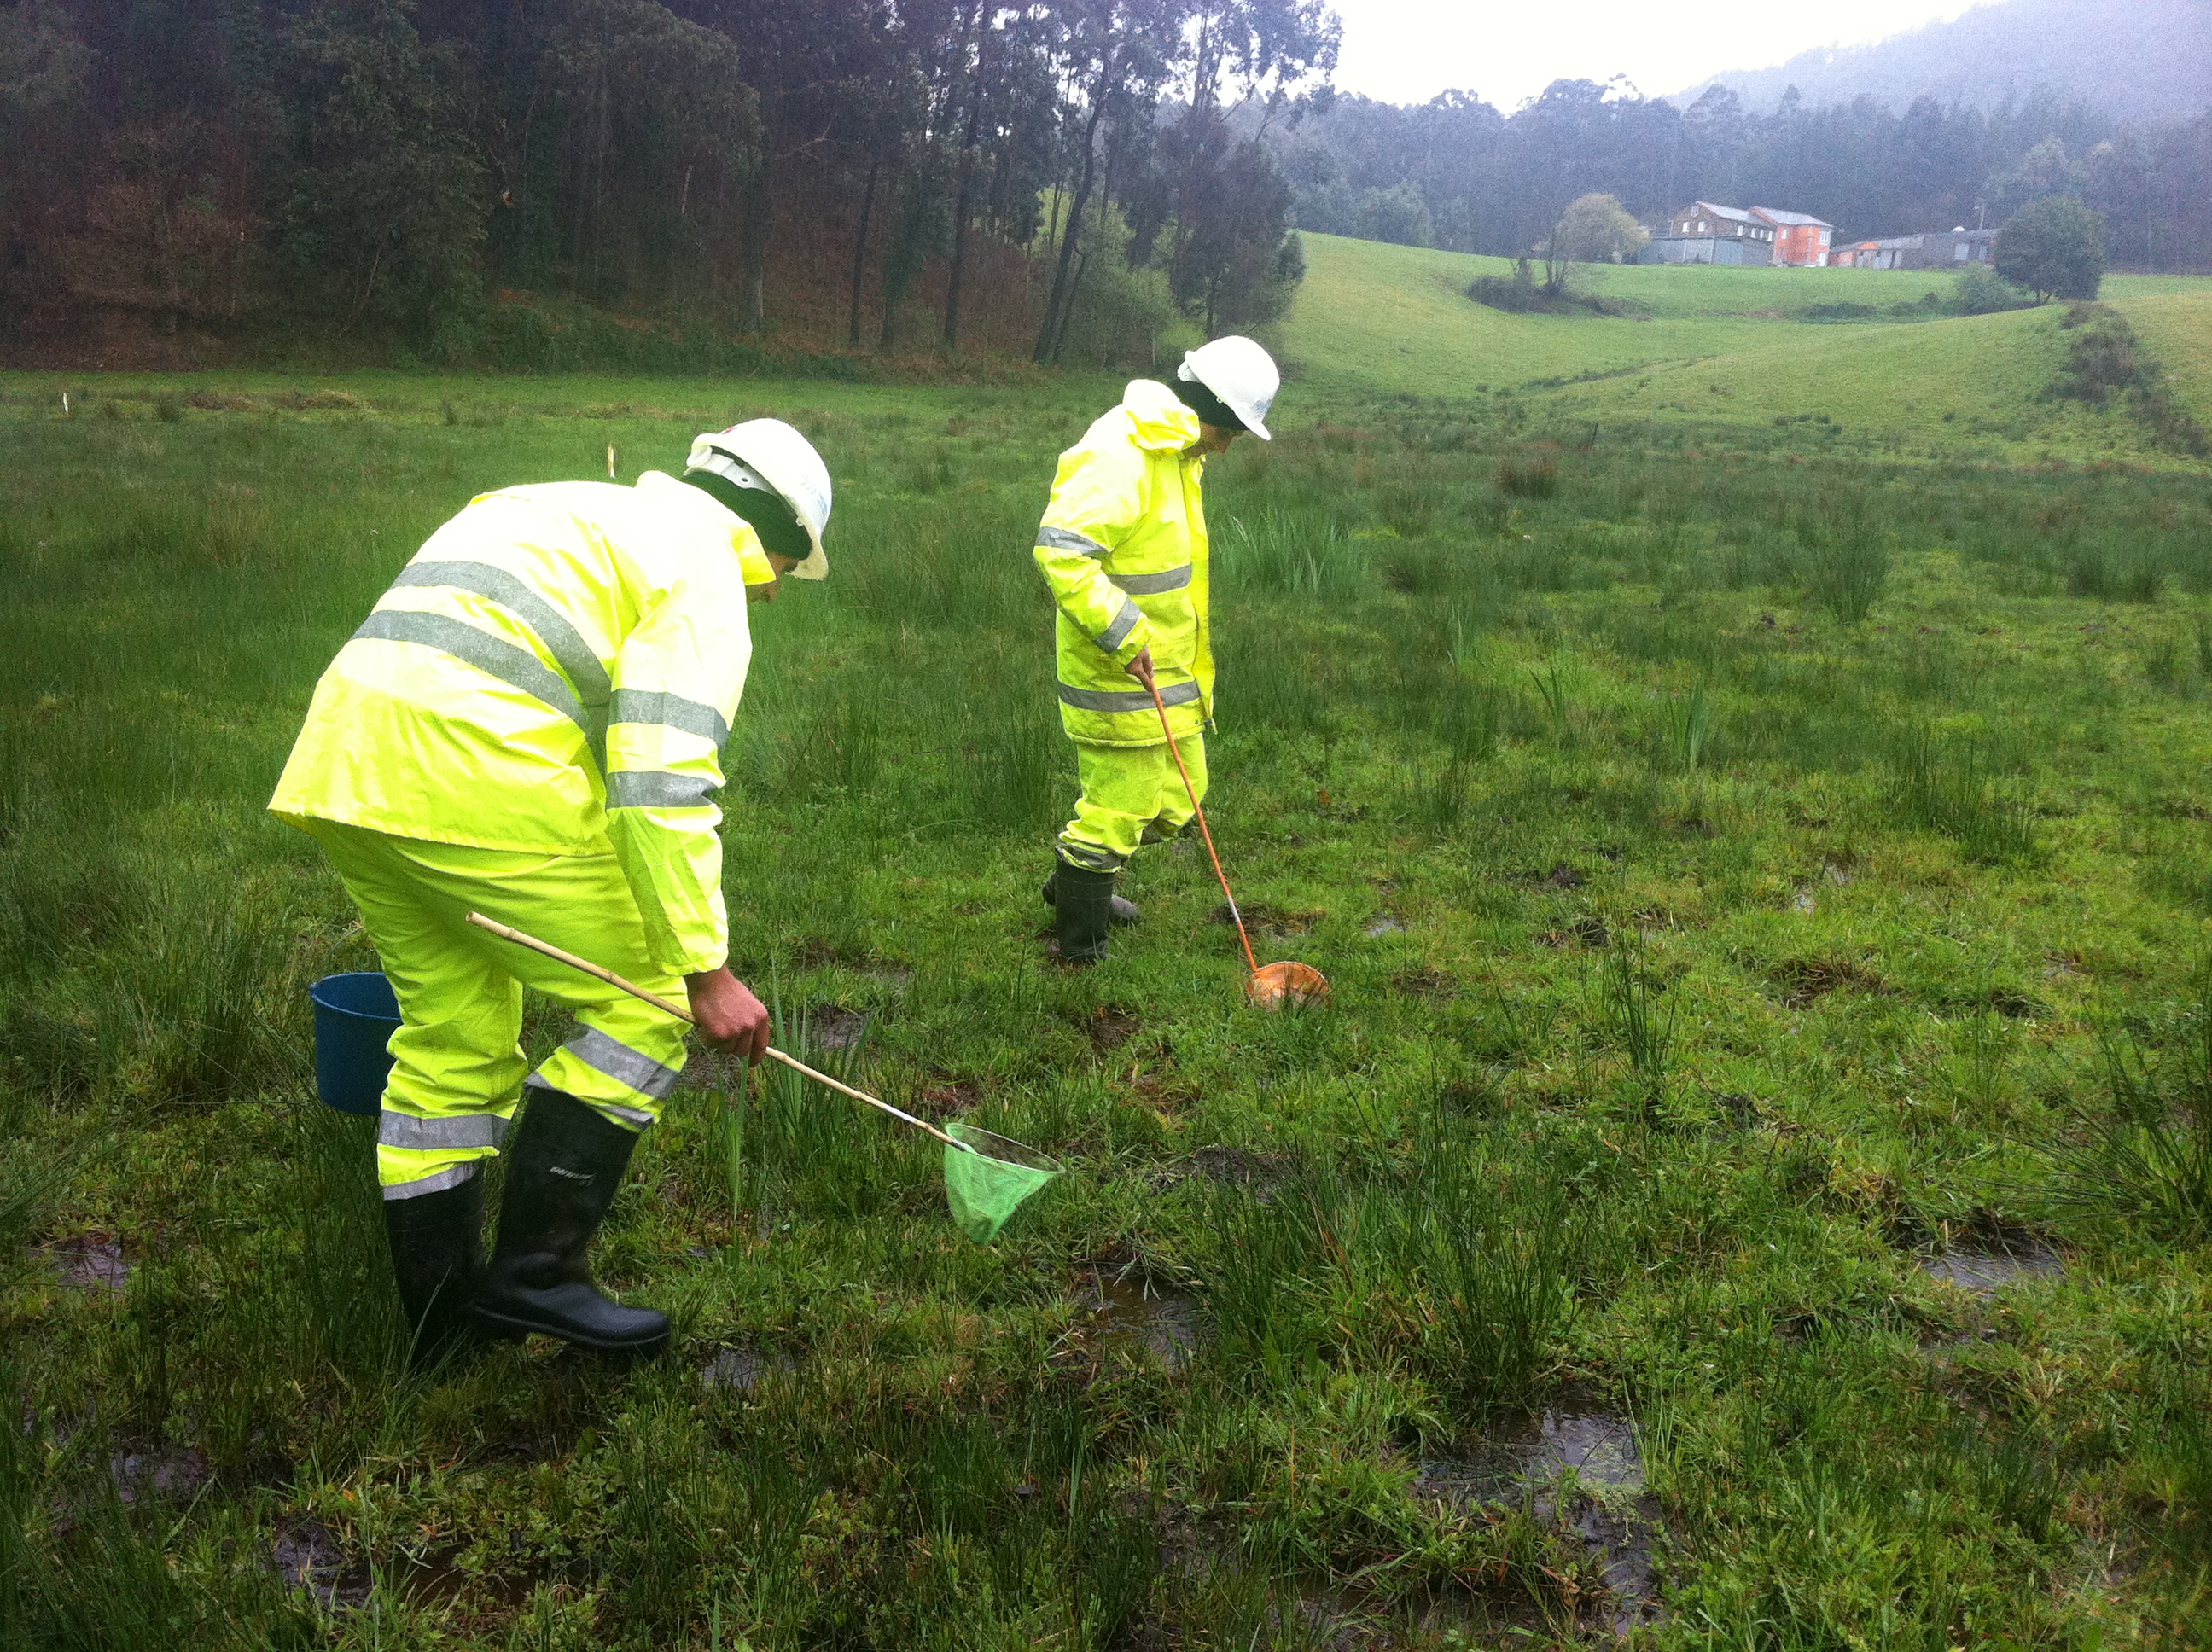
column 1764, row 903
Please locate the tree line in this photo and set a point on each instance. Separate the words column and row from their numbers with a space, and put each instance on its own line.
column 1456, row 172
column 1061, row 179
column 390, row 169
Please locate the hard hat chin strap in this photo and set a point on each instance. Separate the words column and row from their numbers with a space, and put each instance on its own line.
column 753, row 500
column 1209, row 408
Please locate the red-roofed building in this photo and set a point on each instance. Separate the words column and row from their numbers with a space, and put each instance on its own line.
column 1799, row 238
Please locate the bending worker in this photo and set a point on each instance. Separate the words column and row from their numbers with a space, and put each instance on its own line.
column 529, row 724
column 1123, row 547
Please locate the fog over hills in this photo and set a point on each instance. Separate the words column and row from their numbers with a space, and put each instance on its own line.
column 2134, row 59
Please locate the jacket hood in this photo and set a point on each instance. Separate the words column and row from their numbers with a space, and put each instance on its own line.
column 1157, row 417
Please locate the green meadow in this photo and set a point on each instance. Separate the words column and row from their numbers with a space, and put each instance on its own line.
column 1751, row 1188
column 1712, row 353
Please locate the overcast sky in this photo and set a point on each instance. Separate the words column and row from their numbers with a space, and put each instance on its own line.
column 1408, row 51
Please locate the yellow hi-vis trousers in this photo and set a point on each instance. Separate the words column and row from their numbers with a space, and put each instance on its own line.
column 1131, row 794
column 457, row 1069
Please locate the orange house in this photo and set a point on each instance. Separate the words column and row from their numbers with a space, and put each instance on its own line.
column 1799, row 238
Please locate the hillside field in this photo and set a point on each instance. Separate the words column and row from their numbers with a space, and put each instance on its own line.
column 1722, row 349
column 1751, row 1188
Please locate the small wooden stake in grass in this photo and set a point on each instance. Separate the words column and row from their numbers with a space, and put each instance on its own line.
column 611, row 461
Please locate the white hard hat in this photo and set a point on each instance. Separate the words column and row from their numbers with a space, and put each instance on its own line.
column 769, row 453
column 1242, row 373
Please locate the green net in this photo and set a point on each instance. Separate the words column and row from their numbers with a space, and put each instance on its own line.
column 986, row 1187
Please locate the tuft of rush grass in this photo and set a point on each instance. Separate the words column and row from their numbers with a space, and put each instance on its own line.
column 1466, row 739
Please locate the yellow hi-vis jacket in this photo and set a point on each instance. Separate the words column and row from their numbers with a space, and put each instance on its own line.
column 1123, row 547
column 556, row 672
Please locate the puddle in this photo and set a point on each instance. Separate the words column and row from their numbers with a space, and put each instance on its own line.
column 1986, row 1273
column 177, row 1473
column 834, row 1029
column 1385, row 925
column 1531, row 1453
column 1133, row 1317
column 743, row 1369
column 87, row 1264
column 1271, row 920
column 309, row 1556
column 1528, row 1459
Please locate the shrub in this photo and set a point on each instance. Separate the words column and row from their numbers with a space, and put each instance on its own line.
column 2105, row 359
column 1527, row 478
column 1982, row 291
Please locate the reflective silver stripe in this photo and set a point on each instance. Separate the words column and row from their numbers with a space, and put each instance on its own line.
column 658, row 788
column 562, row 640
column 435, row 1183
column 619, row 1062
column 1150, row 585
column 461, row 1130
column 1171, row 694
column 1124, row 622
column 629, row 1118
column 671, row 711
column 516, row 667
column 1068, row 539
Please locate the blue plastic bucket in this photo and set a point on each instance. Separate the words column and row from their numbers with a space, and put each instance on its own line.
column 356, row 1015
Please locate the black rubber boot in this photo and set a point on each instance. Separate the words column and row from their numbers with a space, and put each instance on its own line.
column 437, row 1258
column 565, row 1165
column 1119, row 911
column 1082, row 907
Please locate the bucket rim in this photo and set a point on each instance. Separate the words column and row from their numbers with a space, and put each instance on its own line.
column 322, row 1002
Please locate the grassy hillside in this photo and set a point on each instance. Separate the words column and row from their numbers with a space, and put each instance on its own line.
column 1738, row 349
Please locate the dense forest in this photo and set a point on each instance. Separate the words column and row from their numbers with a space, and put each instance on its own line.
column 672, row 185
column 542, row 182
column 1456, row 172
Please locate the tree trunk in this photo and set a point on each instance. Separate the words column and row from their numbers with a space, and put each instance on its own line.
column 759, row 223
column 1062, row 295
column 963, row 201
column 861, row 250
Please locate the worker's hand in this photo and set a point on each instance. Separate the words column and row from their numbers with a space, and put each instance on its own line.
column 731, row 1019
column 1141, row 667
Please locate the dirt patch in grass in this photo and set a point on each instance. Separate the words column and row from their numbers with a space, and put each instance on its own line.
column 1804, row 979
column 1111, row 1027
column 948, row 1098
column 1424, row 982
column 834, row 1028
column 1263, row 1174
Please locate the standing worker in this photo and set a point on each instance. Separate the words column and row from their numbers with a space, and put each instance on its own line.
column 530, row 724
column 1123, row 547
